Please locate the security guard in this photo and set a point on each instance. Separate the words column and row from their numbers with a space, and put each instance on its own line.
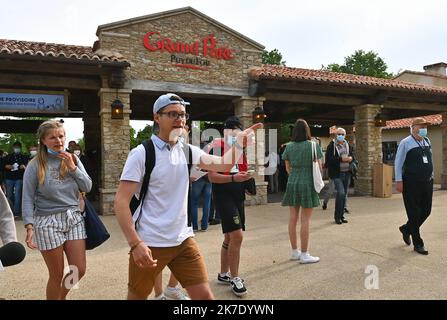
column 414, row 178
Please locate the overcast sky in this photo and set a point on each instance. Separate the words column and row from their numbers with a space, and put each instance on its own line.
column 407, row 34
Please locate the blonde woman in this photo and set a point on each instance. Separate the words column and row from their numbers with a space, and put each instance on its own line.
column 51, row 213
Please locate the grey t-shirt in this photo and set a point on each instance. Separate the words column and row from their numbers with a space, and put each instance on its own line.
column 56, row 194
column 343, row 152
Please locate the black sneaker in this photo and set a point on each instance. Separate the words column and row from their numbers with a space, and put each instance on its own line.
column 238, row 287
column 324, row 206
column 346, row 210
column 419, row 249
column 405, row 235
column 214, row 222
column 223, row 279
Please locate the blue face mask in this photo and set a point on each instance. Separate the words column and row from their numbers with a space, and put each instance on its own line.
column 52, row 152
column 423, row 132
column 17, row 150
column 340, row 137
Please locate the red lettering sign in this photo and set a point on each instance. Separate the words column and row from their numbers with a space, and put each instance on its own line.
column 154, row 42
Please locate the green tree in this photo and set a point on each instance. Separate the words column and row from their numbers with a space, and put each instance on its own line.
column 272, row 57
column 26, row 139
column 81, row 143
column 362, row 63
column 136, row 139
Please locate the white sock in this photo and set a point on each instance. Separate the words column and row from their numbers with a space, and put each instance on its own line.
column 171, row 288
column 160, row 295
column 223, row 274
column 305, row 253
column 296, row 250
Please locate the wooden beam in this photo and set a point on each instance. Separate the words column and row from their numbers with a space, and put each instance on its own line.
column 19, row 126
column 160, row 86
column 415, row 106
column 29, row 80
column 51, row 68
column 267, row 85
column 314, row 99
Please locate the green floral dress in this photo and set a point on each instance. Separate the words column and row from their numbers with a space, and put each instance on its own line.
column 300, row 185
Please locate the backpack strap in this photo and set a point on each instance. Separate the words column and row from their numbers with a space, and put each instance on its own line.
column 148, row 167
column 188, row 155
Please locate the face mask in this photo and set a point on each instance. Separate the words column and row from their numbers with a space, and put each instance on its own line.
column 423, row 132
column 52, row 152
column 33, row 153
column 77, row 152
column 340, row 138
column 231, row 140
column 17, row 150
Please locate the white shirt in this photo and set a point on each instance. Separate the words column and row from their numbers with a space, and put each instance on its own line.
column 164, row 218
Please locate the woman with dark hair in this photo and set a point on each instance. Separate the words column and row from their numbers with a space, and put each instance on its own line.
column 300, row 192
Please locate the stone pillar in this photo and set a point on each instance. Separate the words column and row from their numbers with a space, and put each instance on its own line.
column 350, row 134
column 368, row 150
column 243, row 109
column 444, row 151
column 92, row 140
column 115, row 144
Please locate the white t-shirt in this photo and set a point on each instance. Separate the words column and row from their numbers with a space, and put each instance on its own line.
column 164, row 218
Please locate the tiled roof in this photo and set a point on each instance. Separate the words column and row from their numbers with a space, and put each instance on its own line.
column 435, row 119
column 43, row 49
column 275, row 72
column 419, row 73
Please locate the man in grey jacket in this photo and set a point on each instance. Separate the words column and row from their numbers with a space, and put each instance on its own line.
column 7, row 225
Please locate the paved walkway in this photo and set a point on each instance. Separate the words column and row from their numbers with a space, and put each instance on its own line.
column 371, row 238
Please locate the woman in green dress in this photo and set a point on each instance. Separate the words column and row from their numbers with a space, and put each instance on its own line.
column 300, row 192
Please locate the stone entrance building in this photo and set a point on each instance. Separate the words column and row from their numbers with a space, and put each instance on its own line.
column 214, row 67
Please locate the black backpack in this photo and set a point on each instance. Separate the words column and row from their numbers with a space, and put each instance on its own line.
column 148, row 167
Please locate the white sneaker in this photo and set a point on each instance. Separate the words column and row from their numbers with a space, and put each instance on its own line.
column 307, row 258
column 175, row 294
column 295, row 255
column 160, row 297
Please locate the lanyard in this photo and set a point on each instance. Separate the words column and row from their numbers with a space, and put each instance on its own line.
column 422, row 146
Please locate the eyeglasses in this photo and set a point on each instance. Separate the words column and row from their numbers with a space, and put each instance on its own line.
column 175, row 115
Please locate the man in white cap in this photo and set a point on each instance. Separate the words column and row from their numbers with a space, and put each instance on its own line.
column 414, row 178
column 162, row 236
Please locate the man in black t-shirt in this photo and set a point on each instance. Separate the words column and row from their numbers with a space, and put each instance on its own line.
column 14, row 166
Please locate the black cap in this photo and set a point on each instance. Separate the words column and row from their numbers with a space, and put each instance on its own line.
column 233, row 122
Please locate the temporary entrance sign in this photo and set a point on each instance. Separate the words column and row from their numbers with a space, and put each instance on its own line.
column 17, row 101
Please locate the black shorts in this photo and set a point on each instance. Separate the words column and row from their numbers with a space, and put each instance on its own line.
column 229, row 204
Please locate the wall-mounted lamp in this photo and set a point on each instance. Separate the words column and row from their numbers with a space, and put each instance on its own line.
column 380, row 120
column 258, row 115
column 117, row 109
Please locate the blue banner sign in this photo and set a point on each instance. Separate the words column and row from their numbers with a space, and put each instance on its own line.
column 33, row 102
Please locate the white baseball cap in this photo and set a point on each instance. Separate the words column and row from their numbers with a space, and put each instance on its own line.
column 167, row 99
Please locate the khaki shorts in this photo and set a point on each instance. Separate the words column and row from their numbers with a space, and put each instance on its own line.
column 185, row 262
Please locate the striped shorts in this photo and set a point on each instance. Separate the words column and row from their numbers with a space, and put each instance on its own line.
column 51, row 231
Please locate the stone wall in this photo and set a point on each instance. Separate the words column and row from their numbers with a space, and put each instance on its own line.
column 186, row 28
column 115, row 144
column 243, row 108
column 92, row 140
column 368, row 152
column 444, row 151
